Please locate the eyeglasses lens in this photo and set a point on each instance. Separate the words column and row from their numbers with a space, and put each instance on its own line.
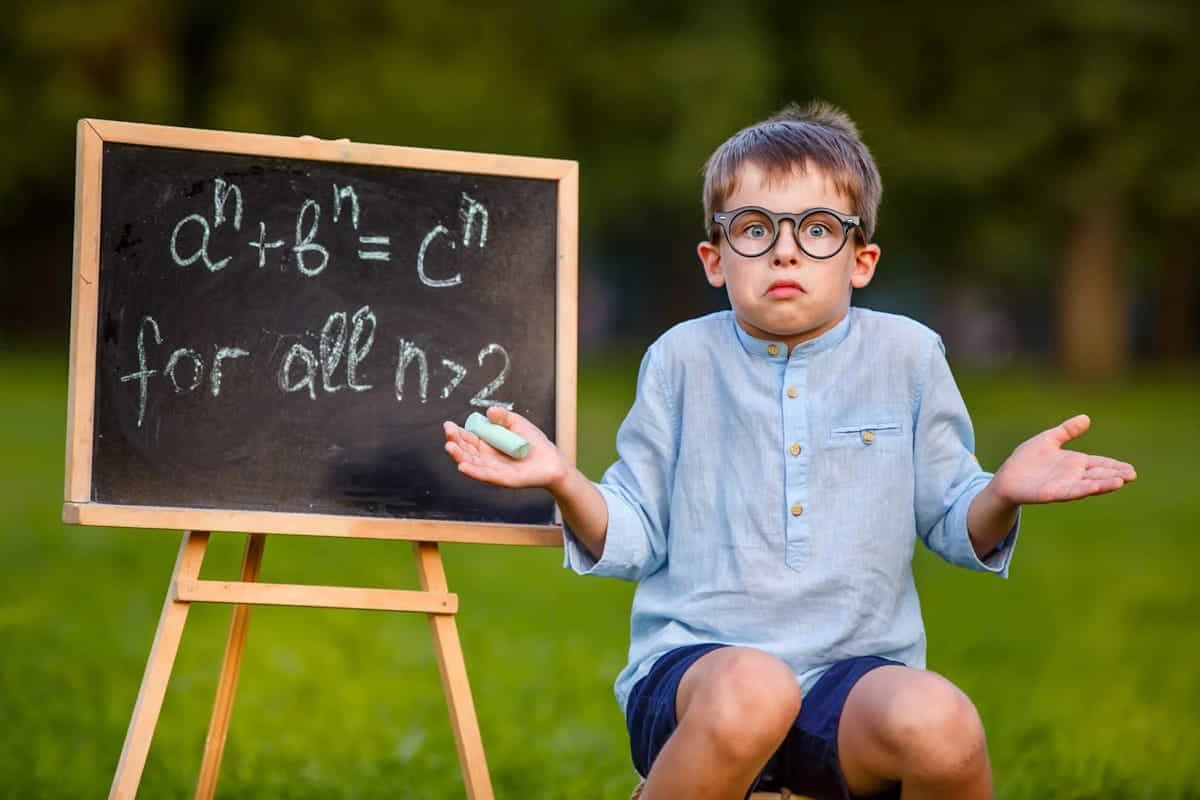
column 820, row 234
column 751, row 233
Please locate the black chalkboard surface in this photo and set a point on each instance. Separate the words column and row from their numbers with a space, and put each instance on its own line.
column 284, row 334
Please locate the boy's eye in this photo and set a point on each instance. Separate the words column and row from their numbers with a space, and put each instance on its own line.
column 819, row 225
column 751, row 226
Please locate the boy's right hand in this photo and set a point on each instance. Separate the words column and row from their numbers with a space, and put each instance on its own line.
column 544, row 467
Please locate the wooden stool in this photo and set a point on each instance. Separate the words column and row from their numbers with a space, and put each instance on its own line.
column 780, row 795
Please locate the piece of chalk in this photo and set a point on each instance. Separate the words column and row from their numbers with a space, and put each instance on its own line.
column 497, row 436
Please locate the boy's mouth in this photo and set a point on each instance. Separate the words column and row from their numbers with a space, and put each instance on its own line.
column 784, row 288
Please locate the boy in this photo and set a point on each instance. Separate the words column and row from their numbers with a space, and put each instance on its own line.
column 778, row 460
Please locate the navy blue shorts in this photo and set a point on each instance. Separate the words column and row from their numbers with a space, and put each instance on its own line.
column 807, row 760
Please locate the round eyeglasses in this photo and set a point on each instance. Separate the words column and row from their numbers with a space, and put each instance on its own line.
column 753, row 230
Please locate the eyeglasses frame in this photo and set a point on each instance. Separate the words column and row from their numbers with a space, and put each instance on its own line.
column 849, row 223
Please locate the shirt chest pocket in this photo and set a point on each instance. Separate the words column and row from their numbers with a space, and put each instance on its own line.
column 883, row 433
column 865, row 450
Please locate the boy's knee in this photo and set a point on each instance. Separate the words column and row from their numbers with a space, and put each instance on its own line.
column 747, row 701
column 936, row 730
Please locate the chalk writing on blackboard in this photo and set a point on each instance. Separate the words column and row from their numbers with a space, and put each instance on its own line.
column 222, row 354
column 344, row 345
column 142, row 376
column 221, row 193
column 312, row 257
column 304, row 240
column 467, row 212
column 470, row 209
column 341, row 193
column 300, row 367
column 263, row 245
column 375, row 255
column 437, row 283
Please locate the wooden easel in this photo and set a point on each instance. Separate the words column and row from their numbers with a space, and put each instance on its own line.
column 186, row 588
column 82, row 507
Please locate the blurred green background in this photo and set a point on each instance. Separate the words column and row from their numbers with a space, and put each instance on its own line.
column 1042, row 173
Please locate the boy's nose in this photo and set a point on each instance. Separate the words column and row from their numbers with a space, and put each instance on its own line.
column 785, row 253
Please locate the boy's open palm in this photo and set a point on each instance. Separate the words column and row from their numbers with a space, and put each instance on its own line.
column 1041, row 471
column 479, row 460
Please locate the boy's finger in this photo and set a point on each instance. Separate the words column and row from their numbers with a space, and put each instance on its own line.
column 482, row 472
column 1106, row 485
column 465, row 436
column 455, row 433
column 459, row 436
column 472, row 470
column 499, row 415
column 1071, row 428
column 455, row 452
column 1102, row 473
column 506, row 417
column 461, row 451
column 1125, row 469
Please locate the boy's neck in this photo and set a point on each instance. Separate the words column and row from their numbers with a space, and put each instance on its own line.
column 795, row 340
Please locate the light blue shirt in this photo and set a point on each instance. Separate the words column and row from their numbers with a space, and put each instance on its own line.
column 773, row 500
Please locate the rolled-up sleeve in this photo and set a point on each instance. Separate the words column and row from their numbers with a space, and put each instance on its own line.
column 947, row 475
column 637, row 488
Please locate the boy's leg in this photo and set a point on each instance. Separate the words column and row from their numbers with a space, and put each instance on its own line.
column 734, row 706
column 915, row 727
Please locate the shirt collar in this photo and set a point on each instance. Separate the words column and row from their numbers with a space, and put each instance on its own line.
column 776, row 350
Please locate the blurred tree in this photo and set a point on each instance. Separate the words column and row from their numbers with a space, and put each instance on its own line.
column 1041, row 129
column 639, row 95
column 61, row 58
column 1031, row 149
column 1170, row 206
column 60, row 61
column 627, row 90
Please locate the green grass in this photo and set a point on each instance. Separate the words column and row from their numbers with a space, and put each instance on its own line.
column 1085, row 664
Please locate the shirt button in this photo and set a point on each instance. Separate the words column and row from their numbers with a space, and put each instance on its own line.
column 797, row 510
column 794, row 449
column 793, row 392
column 773, row 349
column 868, row 437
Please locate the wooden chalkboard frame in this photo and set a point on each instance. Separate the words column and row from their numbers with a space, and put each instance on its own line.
column 78, row 508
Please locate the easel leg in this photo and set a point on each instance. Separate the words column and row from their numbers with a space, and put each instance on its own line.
column 235, row 646
column 454, row 678
column 158, row 671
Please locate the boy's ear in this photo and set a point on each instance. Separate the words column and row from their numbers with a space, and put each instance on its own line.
column 710, row 257
column 865, row 259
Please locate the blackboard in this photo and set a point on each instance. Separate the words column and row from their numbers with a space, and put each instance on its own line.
column 281, row 333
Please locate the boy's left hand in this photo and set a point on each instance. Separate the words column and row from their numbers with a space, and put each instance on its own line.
column 1041, row 471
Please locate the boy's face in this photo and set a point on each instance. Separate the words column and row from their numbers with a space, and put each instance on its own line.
column 785, row 294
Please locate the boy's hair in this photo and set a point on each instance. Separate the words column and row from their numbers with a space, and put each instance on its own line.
column 819, row 135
